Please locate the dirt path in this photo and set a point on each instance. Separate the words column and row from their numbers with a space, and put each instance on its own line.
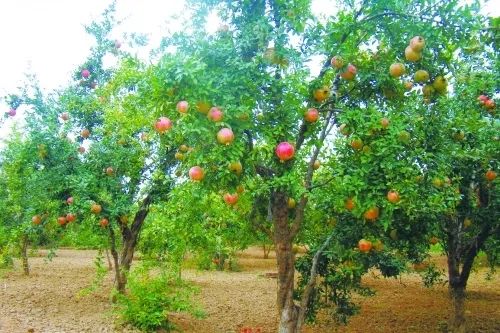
column 48, row 301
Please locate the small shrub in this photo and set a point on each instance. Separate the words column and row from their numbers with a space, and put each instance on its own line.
column 151, row 298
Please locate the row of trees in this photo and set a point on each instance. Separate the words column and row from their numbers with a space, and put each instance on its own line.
column 384, row 152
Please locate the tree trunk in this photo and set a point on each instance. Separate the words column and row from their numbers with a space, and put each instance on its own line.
column 110, row 264
column 126, row 260
column 457, row 319
column 267, row 249
column 285, row 258
column 130, row 236
column 120, row 286
column 24, row 255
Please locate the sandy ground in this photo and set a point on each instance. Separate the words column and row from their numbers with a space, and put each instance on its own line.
column 48, row 301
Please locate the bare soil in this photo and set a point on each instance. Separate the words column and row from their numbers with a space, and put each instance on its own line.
column 49, row 300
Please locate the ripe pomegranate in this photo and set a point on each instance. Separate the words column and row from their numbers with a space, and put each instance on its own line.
column 96, row 208
column 65, row 116
column 393, row 197
column 482, row 99
column 372, row 214
column 12, row 112
column 70, row 217
column 61, row 220
column 384, row 122
column 163, row 124
column 357, row 144
column 490, row 175
column 183, row 106
column 225, row 136
column 311, row 115
column 215, row 114
column 417, row 43
column 285, row 151
column 411, row 55
column 397, row 69
column 364, row 245
column 349, row 204
column 103, row 222
column 321, row 94
column 196, row 173
column 85, row 73
column 489, row 104
column 85, row 133
column 70, row 200
column 37, row 219
column 110, row 171
column 349, row 73
column 337, row 62
column 408, row 85
column 231, row 199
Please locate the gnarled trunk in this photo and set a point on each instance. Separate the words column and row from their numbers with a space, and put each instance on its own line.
column 285, row 258
column 130, row 237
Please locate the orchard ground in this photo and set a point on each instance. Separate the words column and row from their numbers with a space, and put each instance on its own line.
column 48, row 301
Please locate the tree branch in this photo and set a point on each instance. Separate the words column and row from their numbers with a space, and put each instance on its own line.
column 299, row 213
column 311, row 283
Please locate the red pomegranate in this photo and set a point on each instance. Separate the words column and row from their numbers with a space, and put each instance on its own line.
column 285, row 151
column 225, row 136
column 85, row 73
column 183, row 106
column 163, row 124
column 231, row 199
column 215, row 114
column 196, row 173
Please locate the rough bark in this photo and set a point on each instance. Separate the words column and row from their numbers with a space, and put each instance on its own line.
column 460, row 260
column 457, row 322
column 120, row 286
column 130, row 237
column 24, row 255
column 285, row 258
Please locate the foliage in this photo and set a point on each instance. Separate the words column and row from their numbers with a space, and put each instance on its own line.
column 152, row 296
column 428, row 144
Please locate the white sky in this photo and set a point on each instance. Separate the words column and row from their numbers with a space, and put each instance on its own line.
column 47, row 37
